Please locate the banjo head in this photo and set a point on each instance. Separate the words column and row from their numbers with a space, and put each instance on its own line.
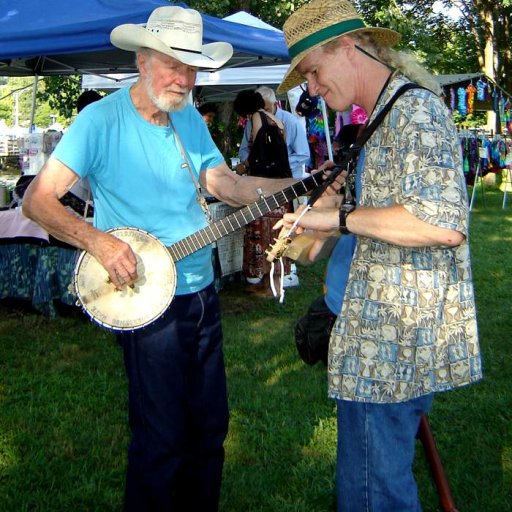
column 130, row 308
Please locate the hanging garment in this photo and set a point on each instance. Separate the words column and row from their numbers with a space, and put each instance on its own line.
column 480, row 90
column 470, row 91
column 452, row 99
column 461, row 103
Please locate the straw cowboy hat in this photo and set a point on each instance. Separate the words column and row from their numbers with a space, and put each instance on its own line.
column 176, row 32
column 319, row 22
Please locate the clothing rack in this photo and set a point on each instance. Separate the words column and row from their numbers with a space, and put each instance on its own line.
column 483, row 153
column 472, row 157
column 473, row 192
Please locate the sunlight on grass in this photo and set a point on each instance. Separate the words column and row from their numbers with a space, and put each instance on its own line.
column 63, row 427
column 498, row 237
column 323, row 440
column 237, row 450
column 283, row 371
column 263, row 330
column 8, row 453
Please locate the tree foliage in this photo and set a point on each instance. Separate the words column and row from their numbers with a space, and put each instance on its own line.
column 272, row 12
column 454, row 39
column 16, row 103
column 61, row 93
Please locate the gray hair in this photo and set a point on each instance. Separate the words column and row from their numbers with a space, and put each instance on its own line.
column 267, row 94
column 394, row 59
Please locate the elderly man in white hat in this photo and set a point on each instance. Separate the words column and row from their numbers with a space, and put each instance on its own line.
column 146, row 151
column 406, row 327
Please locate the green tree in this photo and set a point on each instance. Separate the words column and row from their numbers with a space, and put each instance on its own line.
column 434, row 37
column 16, row 103
column 488, row 24
column 467, row 36
column 61, row 93
column 272, row 12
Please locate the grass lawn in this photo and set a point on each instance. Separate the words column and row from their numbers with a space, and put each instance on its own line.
column 63, row 428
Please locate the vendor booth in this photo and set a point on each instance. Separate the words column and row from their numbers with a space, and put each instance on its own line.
column 32, row 267
column 485, row 150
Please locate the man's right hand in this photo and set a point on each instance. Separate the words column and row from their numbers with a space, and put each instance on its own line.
column 117, row 257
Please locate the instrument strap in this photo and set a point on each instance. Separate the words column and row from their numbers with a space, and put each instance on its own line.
column 352, row 154
column 186, row 164
column 88, row 201
column 348, row 163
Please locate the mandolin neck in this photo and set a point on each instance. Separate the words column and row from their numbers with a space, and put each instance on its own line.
column 216, row 230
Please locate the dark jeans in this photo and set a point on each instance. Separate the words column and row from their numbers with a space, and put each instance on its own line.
column 178, row 408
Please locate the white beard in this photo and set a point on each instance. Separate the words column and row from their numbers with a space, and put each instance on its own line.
column 162, row 101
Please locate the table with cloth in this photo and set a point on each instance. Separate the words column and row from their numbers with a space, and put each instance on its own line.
column 34, row 266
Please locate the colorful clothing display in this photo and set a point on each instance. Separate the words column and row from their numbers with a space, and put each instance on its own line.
column 470, row 91
column 482, row 154
column 468, row 98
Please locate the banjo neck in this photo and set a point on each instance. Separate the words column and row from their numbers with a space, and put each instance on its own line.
column 241, row 218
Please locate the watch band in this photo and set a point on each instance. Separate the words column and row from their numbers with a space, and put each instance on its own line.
column 345, row 210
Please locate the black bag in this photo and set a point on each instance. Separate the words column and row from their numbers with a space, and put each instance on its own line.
column 268, row 157
column 313, row 331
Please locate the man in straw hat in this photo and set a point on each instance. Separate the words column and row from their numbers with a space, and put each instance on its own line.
column 407, row 325
column 140, row 148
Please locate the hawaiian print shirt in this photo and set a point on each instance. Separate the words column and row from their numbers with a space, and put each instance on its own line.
column 408, row 325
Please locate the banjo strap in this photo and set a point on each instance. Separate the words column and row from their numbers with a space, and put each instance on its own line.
column 186, row 164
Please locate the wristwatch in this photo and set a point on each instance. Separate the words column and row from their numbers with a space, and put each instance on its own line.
column 345, row 210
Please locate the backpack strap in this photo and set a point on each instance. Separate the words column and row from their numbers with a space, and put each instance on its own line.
column 264, row 120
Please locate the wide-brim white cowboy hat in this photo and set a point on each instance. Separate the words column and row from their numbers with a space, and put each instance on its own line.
column 176, row 32
column 319, row 22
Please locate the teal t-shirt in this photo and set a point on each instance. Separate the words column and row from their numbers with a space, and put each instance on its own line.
column 136, row 175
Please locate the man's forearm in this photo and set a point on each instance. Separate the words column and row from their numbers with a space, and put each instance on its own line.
column 52, row 216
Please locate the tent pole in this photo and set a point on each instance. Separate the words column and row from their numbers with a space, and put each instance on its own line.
column 33, row 108
column 326, row 128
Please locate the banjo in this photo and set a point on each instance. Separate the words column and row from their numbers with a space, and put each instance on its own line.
column 146, row 300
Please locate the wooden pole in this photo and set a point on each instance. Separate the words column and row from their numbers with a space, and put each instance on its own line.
column 436, row 467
